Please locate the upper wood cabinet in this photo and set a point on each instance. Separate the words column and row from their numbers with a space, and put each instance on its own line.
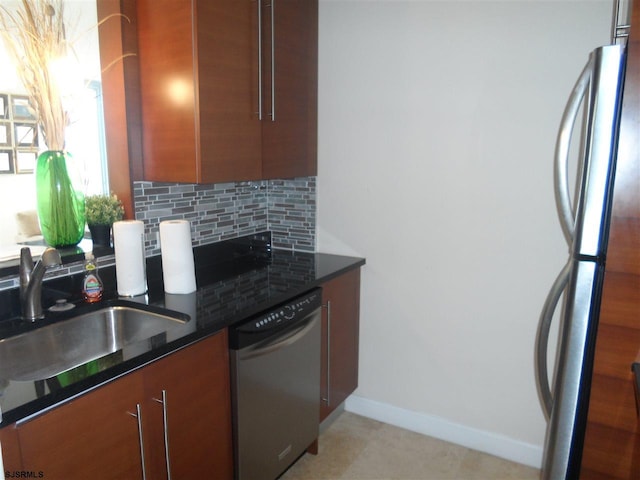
column 228, row 89
column 290, row 128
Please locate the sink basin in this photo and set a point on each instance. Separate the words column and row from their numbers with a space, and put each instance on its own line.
column 48, row 351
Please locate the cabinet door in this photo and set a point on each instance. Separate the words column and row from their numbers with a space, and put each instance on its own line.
column 289, row 130
column 341, row 324
column 197, row 400
column 165, row 55
column 94, row 436
column 199, row 88
column 230, row 130
column 10, row 449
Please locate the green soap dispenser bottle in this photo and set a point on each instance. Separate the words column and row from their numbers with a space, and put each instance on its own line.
column 92, row 285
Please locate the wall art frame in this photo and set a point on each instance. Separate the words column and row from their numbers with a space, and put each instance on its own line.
column 20, row 109
column 4, row 106
column 25, row 161
column 6, row 161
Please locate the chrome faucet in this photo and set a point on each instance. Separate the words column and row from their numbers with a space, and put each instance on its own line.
column 31, row 281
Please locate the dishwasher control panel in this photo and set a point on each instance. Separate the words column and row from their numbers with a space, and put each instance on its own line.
column 287, row 313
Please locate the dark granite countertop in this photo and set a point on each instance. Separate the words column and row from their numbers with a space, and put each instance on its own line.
column 236, row 280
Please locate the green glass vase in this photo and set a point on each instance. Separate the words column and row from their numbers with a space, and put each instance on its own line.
column 60, row 200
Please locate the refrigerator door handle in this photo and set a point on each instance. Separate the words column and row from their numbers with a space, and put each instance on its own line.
column 542, row 340
column 561, row 177
column 591, row 228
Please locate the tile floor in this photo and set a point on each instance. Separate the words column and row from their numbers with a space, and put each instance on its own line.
column 358, row 448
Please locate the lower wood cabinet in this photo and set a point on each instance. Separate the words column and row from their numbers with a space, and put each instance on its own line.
column 95, row 436
column 172, row 414
column 340, row 338
column 195, row 382
column 12, row 461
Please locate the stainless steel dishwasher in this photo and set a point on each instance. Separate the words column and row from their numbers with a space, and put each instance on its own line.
column 275, row 384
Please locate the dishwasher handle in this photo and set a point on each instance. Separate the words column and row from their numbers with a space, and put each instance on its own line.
column 282, row 339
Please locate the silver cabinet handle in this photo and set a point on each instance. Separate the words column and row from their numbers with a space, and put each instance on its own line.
column 259, row 2
column 273, row 62
column 138, row 416
column 542, row 340
column 561, row 178
column 635, row 368
column 165, row 422
column 328, row 397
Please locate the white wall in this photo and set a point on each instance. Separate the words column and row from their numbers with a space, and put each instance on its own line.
column 437, row 125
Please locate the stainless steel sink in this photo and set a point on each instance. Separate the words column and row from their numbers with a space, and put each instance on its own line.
column 48, row 351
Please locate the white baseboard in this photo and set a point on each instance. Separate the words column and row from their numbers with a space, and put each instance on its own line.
column 491, row 443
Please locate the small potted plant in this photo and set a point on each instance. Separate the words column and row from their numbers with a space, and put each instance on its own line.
column 101, row 211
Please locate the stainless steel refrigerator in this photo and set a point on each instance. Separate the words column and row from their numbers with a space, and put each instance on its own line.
column 593, row 115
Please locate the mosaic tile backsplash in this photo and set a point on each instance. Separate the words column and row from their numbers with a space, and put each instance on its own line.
column 229, row 210
column 222, row 211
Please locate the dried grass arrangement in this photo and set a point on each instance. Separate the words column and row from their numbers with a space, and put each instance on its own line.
column 35, row 36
